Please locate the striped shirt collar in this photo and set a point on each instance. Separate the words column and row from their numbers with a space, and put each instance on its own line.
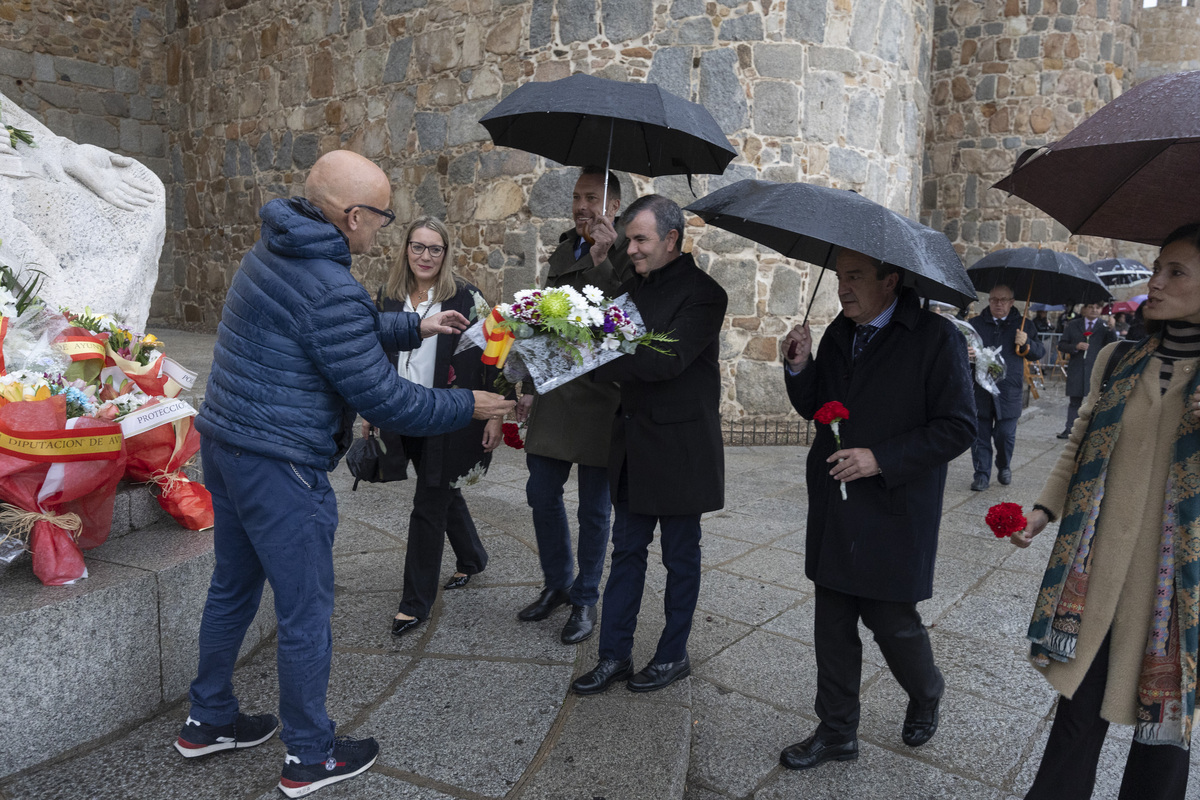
column 885, row 317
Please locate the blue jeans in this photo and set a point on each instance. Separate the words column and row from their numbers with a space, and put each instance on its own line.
column 544, row 491
column 680, row 541
column 275, row 521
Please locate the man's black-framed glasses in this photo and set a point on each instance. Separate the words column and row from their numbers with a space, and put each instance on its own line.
column 387, row 215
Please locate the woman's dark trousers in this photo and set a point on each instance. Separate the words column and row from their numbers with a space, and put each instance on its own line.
column 1068, row 768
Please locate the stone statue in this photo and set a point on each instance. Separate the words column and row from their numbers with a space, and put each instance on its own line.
column 91, row 220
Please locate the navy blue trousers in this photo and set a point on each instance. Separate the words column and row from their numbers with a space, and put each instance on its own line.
column 631, row 536
column 274, row 521
column 989, row 430
column 544, row 491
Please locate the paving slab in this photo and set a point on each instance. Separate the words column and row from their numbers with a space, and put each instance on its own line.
column 616, row 745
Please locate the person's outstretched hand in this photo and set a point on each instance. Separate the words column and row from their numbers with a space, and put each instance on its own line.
column 108, row 176
column 489, row 405
column 443, row 322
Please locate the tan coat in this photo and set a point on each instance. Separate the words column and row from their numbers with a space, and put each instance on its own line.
column 574, row 422
column 1123, row 576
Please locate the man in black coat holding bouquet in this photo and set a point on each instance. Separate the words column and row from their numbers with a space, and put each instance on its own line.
column 996, row 417
column 666, row 462
column 902, row 374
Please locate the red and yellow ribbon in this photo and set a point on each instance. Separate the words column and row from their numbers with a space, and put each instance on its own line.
column 499, row 339
column 96, row 443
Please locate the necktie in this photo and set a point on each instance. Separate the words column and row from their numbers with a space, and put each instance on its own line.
column 1088, row 326
column 862, row 335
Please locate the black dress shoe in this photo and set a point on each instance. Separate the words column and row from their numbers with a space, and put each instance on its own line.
column 815, row 750
column 920, row 724
column 606, row 673
column 457, row 582
column 979, row 484
column 403, row 626
column 1004, row 476
column 580, row 625
column 1064, row 435
column 658, row 676
column 547, row 601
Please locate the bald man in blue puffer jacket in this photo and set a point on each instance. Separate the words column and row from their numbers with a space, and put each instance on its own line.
column 300, row 352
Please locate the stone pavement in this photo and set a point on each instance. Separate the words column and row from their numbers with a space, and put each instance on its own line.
column 474, row 704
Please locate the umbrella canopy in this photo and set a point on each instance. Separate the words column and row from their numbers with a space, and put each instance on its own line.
column 1120, row 271
column 1046, row 307
column 1043, row 276
column 582, row 120
column 1125, row 307
column 809, row 222
column 1127, row 172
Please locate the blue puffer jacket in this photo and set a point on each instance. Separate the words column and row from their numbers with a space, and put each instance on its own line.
column 300, row 351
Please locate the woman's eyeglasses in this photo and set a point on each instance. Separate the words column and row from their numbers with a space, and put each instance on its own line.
column 435, row 250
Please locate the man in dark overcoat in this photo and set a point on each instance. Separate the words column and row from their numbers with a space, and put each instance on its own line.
column 666, row 462
column 572, row 424
column 996, row 416
column 1083, row 338
column 902, row 374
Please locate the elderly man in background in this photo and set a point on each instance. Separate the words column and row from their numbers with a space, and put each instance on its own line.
column 1083, row 338
column 300, row 351
column 902, row 374
column 996, row 416
column 572, row 424
column 666, row 464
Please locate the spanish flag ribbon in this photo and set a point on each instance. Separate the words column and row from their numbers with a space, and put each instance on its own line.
column 499, row 339
column 3, row 335
column 82, row 348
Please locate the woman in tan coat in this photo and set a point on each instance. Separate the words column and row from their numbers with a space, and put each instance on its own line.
column 1116, row 622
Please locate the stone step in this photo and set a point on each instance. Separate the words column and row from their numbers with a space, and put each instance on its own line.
column 83, row 661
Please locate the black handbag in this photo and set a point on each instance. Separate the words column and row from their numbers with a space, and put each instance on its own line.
column 369, row 461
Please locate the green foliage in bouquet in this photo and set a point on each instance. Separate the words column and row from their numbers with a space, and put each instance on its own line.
column 17, row 135
column 25, row 292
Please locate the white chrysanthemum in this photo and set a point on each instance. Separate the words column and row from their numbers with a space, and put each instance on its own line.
column 8, row 303
column 474, row 475
column 593, row 294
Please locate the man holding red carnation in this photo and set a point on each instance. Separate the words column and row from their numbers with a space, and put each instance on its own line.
column 903, row 377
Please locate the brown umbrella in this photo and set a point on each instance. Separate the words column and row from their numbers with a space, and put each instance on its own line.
column 1129, row 171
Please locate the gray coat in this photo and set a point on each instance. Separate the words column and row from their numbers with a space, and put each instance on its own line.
column 1079, row 368
column 574, row 422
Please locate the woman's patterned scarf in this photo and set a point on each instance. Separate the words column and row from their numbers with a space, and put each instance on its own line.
column 1167, row 685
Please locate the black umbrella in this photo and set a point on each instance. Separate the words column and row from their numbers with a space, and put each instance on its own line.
column 1120, row 271
column 810, row 222
column 1041, row 276
column 1127, row 172
column 582, row 120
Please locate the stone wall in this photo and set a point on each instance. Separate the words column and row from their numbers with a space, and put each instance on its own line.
column 821, row 90
column 1011, row 75
column 1170, row 35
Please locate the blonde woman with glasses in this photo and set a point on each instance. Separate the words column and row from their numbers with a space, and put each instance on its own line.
column 424, row 282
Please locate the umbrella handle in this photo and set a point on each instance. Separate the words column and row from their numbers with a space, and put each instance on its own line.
column 1023, row 349
column 607, row 160
column 813, row 299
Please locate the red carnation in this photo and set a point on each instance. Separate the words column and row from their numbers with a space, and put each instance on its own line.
column 1088, row 333
column 830, row 412
column 512, row 435
column 451, row 377
column 1005, row 519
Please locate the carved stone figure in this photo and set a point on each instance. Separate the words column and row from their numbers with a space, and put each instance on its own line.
column 91, row 220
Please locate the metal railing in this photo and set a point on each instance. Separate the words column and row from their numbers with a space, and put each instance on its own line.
column 745, row 432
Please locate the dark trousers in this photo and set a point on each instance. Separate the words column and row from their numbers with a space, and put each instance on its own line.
column 1068, row 768
column 438, row 514
column 901, row 638
column 631, row 537
column 544, row 491
column 1003, row 432
column 1073, row 404
column 275, row 521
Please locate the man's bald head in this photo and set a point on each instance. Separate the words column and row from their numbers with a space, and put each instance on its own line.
column 342, row 179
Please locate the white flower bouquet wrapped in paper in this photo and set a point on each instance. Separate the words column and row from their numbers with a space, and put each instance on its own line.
column 552, row 336
column 989, row 364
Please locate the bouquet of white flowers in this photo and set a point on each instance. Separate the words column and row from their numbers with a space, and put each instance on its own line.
column 989, row 364
column 551, row 336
